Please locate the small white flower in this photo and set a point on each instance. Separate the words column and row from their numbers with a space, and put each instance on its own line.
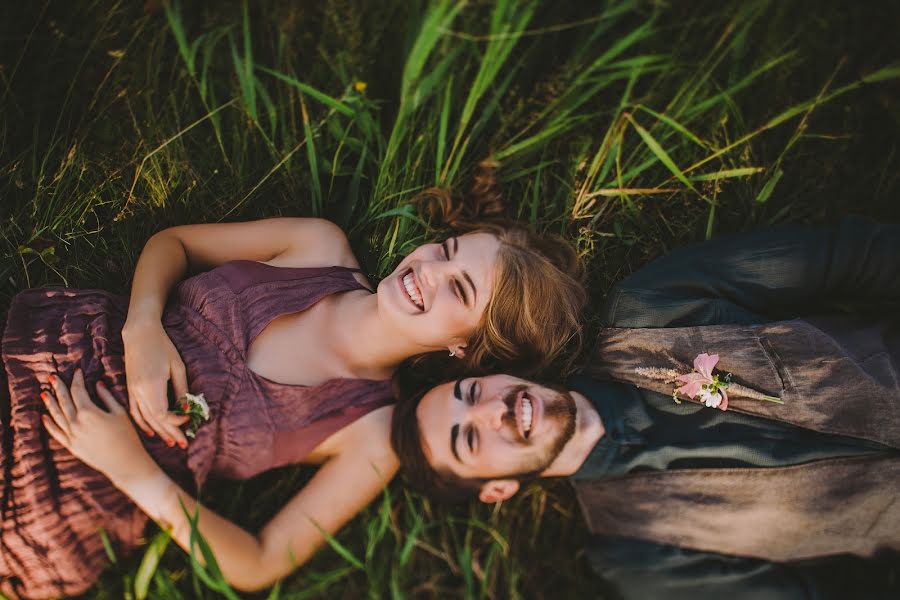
column 710, row 398
column 200, row 402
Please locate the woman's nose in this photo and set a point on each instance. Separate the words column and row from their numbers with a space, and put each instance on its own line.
column 433, row 272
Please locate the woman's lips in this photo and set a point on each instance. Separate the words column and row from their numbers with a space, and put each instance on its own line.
column 410, row 288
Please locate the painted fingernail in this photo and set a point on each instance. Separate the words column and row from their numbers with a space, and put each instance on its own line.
column 170, row 443
column 149, row 433
column 182, row 445
column 52, row 379
column 100, row 384
column 43, row 395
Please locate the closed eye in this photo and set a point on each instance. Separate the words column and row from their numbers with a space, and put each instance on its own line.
column 446, row 249
column 460, row 292
column 470, row 439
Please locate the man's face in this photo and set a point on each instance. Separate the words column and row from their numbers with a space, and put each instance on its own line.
column 494, row 427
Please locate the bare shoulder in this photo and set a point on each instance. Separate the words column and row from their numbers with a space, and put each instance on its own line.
column 368, row 437
column 316, row 243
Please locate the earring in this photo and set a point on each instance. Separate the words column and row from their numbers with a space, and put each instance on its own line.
column 452, row 353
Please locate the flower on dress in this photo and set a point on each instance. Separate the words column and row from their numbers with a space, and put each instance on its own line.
column 195, row 407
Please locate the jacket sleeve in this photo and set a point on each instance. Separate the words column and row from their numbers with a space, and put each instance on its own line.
column 764, row 275
column 636, row 569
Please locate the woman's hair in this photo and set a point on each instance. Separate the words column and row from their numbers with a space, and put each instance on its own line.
column 534, row 314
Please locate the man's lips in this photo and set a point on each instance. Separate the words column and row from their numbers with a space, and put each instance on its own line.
column 527, row 410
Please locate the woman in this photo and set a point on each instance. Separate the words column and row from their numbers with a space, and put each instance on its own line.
column 293, row 354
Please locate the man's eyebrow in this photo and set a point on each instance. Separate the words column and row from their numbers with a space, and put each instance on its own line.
column 454, row 433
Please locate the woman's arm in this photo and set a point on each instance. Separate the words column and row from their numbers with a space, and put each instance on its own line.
column 754, row 277
column 150, row 357
column 341, row 487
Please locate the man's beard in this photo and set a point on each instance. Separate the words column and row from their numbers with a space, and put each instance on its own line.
column 559, row 408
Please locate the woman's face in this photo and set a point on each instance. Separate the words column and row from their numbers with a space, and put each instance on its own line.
column 437, row 295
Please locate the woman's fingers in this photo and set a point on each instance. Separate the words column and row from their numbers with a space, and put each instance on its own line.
column 135, row 411
column 178, row 375
column 172, row 432
column 55, row 431
column 177, row 420
column 63, row 398
column 78, row 392
column 109, row 400
column 56, row 413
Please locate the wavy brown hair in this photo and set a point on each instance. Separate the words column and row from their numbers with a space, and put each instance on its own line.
column 534, row 314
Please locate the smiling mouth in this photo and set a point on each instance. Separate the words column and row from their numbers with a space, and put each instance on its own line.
column 408, row 283
column 527, row 414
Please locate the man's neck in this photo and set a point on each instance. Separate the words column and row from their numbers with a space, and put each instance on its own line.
column 588, row 431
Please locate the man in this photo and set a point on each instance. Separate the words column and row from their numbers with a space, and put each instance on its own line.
column 798, row 499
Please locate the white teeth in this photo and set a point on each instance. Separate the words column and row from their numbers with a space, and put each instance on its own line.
column 526, row 414
column 412, row 291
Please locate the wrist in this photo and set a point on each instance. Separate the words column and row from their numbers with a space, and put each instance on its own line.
column 141, row 318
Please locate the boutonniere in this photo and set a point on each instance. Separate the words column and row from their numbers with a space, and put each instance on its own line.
column 701, row 383
column 195, row 407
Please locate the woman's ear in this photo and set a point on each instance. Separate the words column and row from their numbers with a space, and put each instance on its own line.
column 457, row 349
column 497, row 490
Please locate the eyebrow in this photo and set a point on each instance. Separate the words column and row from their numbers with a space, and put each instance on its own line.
column 454, row 433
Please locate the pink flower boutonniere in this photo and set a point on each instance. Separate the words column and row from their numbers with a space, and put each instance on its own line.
column 701, row 383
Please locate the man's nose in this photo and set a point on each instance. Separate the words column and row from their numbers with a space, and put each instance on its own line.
column 489, row 413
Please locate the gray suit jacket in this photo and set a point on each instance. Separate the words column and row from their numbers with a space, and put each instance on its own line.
column 838, row 374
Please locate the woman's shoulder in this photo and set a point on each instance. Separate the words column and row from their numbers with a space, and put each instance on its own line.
column 368, row 437
column 316, row 243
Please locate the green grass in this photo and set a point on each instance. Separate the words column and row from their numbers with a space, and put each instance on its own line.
column 629, row 127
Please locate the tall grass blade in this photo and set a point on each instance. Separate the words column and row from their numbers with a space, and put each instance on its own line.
column 661, row 154
column 312, row 92
column 149, row 564
column 313, row 162
column 342, row 550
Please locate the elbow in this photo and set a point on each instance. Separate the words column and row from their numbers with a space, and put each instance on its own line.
column 250, row 579
column 248, row 586
column 254, row 576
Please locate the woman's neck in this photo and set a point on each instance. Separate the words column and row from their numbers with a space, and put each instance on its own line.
column 368, row 345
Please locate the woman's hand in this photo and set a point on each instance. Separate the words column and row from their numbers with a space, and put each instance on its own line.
column 104, row 440
column 151, row 360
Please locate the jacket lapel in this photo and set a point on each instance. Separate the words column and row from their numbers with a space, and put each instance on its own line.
column 832, row 376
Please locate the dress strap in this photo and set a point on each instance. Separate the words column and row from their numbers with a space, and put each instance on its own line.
column 265, row 292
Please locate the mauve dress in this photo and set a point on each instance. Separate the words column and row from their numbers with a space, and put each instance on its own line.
column 53, row 505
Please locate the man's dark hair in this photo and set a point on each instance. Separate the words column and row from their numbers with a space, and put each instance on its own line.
column 439, row 484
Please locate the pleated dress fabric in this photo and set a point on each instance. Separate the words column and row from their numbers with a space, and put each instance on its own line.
column 54, row 506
